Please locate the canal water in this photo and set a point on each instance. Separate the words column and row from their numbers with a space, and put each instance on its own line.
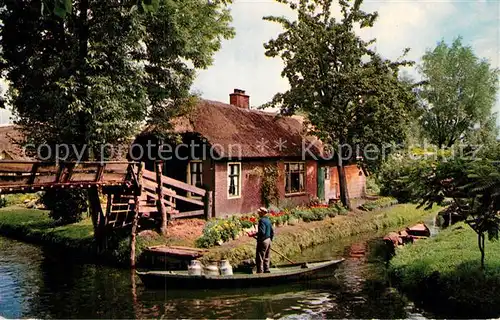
column 46, row 283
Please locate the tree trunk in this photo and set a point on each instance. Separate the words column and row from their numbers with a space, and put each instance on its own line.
column 480, row 243
column 344, row 193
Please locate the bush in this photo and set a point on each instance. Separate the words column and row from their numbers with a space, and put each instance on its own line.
column 372, row 188
column 319, row 214
column 314, row 201
column 3, row 202
column 245, row 224
column 393, row 177
column 379, row 203
column 19, row 199
column 66, row 206
column 217, row 231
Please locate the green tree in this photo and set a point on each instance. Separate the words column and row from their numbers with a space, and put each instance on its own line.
column 473, row 186
column 414, row 135
column 458, row 94
column 92, row 81
column 351, row 96
column 62, row 8
column 93, row 77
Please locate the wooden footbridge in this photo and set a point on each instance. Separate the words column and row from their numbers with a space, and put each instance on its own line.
column 132, row 192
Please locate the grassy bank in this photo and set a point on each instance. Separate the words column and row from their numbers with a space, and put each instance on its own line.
column 291, row 240
column 444, row 273
column 36, row 226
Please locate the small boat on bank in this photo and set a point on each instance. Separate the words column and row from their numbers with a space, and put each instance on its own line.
column 408, row 235
column 278, row 275
column 419, row 230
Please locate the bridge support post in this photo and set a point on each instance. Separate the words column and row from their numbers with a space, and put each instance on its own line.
column 98, row 219
column 207, row 208
column 159, row 192
column 133, row 238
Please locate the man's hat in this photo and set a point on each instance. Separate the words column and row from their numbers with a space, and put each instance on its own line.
column 262, row 210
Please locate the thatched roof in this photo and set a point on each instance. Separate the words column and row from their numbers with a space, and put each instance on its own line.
column 258, row 134
column 11, row 140
column 227, row 128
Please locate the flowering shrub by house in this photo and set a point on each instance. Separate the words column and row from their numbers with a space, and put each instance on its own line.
column 218, row 231
column 379, row 203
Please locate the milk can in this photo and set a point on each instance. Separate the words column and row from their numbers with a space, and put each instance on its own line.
column 211, row 268
column 225, row 268
column 194, row 268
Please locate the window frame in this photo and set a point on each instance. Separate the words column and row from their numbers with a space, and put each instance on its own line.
column 304, row 172
column 327, row 173
column 229, row 164
column 188, row 178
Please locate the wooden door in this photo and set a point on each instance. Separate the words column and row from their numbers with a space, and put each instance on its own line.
column 321, row 183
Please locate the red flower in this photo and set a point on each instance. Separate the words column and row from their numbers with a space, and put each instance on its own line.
column 320, row 206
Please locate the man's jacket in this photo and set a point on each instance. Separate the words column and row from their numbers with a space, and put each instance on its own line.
column 265, row 229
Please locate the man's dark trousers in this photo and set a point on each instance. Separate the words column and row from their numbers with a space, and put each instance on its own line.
column 263, row 255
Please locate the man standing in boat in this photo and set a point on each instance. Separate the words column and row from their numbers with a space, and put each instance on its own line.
column 264, row 235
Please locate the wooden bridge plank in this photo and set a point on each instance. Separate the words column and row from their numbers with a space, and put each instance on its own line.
column 149, row 209
column 108, row 176
column 149, row 186
column 16, row 188
column 116, row 166
column 186, row 199
column 168, row 203
column 120, row 211
column 44, row 179
column 187, row 214
column 77, row 176
column 48, row 167
column 182, row 185
column 12, row 167
column 13, row 181
column 151, row 176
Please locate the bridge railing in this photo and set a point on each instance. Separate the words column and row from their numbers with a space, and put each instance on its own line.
column 158, row 183
column 30, row 176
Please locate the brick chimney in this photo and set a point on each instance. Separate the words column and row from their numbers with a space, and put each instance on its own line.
column 239, row 99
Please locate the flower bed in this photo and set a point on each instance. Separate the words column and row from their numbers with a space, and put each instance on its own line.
column 218, row 231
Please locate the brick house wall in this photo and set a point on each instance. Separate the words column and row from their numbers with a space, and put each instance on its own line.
column 356, row 181
column 251, row 197
column 215, row 177
column 311, row 186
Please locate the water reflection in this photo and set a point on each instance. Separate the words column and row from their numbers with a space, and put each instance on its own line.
column 47, row 283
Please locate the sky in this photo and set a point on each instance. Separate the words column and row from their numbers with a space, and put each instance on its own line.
column 419, row 25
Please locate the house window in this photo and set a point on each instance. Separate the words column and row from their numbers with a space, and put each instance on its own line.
column 234, row 179
column 294, row 177
column 327, row 173
column 195, row 174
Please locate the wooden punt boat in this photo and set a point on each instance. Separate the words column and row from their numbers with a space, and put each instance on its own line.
column 279, row 275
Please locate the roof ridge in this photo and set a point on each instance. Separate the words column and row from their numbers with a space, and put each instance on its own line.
column 227, row 105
